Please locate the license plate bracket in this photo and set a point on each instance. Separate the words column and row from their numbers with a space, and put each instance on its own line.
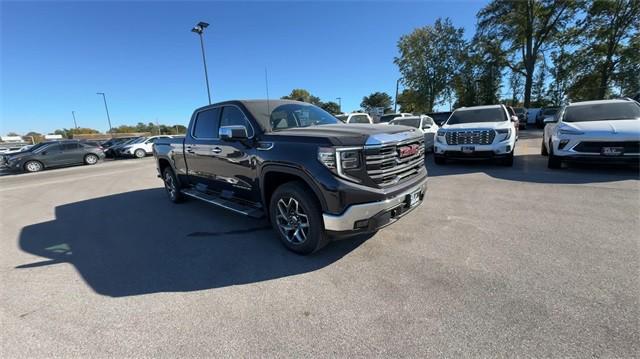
column 413, row 198
column 467, row 149
column 612, row 151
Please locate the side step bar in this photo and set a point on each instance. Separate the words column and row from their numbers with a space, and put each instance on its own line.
column 224, row 203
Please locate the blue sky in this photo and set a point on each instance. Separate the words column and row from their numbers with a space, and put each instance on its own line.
column 57, row 55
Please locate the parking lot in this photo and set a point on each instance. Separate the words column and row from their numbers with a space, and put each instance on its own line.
column 498, row 261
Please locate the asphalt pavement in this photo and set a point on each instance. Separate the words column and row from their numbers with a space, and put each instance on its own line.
column 525, row 261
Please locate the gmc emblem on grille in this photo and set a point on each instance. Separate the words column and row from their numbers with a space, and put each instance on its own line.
column 410, row 150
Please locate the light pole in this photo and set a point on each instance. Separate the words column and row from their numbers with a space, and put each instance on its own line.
column 395, row 102
column 104, row 98
column 339, row 104
column 73, row 113
column 199, row 29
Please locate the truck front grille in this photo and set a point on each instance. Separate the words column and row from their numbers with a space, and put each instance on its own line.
column 391, row 164
column 470, row 137
column 596, row 146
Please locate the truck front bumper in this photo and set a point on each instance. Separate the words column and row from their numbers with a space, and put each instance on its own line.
column 368, row 217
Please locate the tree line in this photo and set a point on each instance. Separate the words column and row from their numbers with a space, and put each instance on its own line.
column 548, row 52
column 541, row 52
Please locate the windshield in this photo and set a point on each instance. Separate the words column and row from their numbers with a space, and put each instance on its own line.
column 39, row 145
column 389, row 117
column 494, row 114
column 412, row 122
column 549, row 111
column 519, row 110
column 299, row 115
column 602, row 112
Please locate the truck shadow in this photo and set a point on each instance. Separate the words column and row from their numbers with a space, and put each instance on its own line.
column 533, row 168
column 138, row 243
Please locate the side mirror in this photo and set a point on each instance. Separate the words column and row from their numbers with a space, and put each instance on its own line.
column 229, row 133
column 514, row 118
column 43, row 153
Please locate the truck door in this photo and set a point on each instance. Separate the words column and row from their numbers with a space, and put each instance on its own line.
column 199, row 155
column 235, row 171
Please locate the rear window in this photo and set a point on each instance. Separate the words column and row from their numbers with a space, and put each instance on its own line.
column 495, row 114
column 602, row 112
column 519, row 110
column 412, row 122
column 387, row 118
column 359, row 119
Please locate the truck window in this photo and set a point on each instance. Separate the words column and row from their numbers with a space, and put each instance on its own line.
column 232, row 116
column 359, row 119
column 206, row 125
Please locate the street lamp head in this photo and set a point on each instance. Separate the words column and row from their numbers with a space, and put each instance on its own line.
column 199, row 29
column 99, row 93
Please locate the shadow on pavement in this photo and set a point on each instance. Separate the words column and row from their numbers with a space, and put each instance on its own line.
column 138, row 242
column 533, row 168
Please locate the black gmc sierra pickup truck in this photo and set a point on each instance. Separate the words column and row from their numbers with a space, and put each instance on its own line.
column 314, row 177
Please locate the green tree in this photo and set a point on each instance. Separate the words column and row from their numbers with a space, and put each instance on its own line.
column 538, row 91
column 628, row 77
column 557, row 92
column 525, row 29
column 605, row 35
column 429, row 57
column 304, row 96
column 331, row 107
column 515, row 86
column 376, row 99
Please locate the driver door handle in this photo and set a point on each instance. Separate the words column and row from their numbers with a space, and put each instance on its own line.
column 190, row 149
column 216, row 150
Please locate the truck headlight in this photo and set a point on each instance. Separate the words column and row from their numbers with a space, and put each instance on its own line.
column 341, row 159
column 503, row 134
column 440, row 133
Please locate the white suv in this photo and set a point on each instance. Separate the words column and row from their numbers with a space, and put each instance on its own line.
column 480, row 132
column 142, row 148
column 423, row 123
column 356, row 117
column 595, row 131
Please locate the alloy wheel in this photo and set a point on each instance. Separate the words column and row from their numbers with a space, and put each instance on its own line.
column 170, row 185
column 34, row 166
column 292, row 221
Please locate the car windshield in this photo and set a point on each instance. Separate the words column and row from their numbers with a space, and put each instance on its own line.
column 494, row 114
column 412, row 122
column 299, row 115
column 549, row 111
column 602, row 112
column 389, row 117
column 38, row 146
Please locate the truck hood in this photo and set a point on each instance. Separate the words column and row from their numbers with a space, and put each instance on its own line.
column 621, row 127
column 353, row 134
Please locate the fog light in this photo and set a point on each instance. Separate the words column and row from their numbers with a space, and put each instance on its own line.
column 562, row 144
column 363, row 223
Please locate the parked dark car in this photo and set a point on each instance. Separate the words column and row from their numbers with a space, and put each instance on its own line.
column 314, row 177
column 521, row 112
column 439, row 117
column 112, row 150
column 53, row 154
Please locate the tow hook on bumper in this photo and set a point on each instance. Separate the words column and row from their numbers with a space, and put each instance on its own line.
column 374, row 215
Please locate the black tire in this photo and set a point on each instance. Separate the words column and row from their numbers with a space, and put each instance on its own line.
column 439, row 160
column 140, row 153
column 553, row 161
column 507, row 161
column 91, row 159
column 172, row 186
column 33, row 166
column 293, row 205
column 543, row 149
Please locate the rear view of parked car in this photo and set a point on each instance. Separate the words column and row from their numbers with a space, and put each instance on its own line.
column 423, row 123
column 54, row 154
column 546, row 114
column 594, row 131
column 521, row 112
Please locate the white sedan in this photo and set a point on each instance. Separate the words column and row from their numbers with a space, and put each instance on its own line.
column 424, row 124
column 595, row 131
column 142, row 148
